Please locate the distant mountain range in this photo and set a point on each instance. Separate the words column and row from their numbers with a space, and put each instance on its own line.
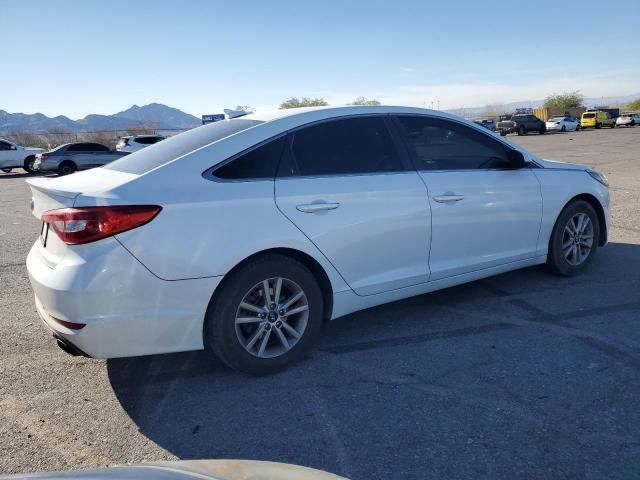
column 155, row 115
column 614, row 101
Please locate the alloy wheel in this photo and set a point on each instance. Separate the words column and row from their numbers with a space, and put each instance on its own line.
column 577, row 239
column 272, row 317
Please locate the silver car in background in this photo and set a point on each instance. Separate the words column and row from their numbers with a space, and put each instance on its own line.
column 68, row 158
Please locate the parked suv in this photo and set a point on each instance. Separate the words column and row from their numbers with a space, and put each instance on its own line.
column 16, row 156
column 521, row 124
column 597, row 119
column 133, row 143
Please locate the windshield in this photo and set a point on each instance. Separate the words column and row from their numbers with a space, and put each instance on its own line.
column 168, row 150
column 588, row 115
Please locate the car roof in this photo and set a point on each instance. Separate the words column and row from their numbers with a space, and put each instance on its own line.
column 306, row 114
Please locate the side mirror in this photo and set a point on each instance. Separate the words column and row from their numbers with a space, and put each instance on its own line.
column 517, row 160
column 13, row 147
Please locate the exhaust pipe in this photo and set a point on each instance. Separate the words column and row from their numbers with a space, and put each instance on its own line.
column 69, row 348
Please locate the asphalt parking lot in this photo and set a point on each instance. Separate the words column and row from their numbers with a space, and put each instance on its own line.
column 524, row 375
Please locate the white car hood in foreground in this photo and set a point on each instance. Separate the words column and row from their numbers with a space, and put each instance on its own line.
column 558, row 165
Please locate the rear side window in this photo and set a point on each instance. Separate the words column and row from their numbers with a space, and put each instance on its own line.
column 146, row 159
column 86, row 147
column 437, row 144
column 258, row 163
column 147, row 140
column 358, row 145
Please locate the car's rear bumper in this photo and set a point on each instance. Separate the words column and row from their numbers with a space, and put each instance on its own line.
column 127, row 311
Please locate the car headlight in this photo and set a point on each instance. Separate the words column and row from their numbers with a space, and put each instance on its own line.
column 599, row 177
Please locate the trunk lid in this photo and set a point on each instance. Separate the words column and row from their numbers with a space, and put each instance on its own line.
column 62, row 192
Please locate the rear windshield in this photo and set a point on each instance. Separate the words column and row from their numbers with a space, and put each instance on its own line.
column 161, row 153
column 588, row 115
column 60, row 147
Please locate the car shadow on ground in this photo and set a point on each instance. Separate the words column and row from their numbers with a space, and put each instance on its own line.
column 20, row 174
column 352, row 407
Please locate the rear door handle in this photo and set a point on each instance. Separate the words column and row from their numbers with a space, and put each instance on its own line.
column 317, row 207
column 448, row 198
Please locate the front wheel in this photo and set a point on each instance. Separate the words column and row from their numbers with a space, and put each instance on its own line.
column 522, row 130
column 6, row 170
column 574, row 239
column 543, row 130
column 265, row 316
column 613, row 125
column 598, row 125
column 563, row 129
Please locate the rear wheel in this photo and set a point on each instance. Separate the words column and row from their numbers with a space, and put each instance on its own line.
column 574, row 239
column 67, row 167
column 598, row 125
column 27, row 166
column 543, row 130
column 6, row 170
column 563, row 129
column 613, row 125
column 522, row 130
column 265, row 316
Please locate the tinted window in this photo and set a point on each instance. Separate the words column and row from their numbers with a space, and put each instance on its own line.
column 588, row 115
column 172, row 148
column 79, row 147
column 260, row 162
column 5, row 145
column 340, row 147
column 519, row 118
column 443, row 145
column 147, row 140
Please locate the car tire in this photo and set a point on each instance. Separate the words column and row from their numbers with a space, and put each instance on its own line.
column 6, row 170
column 563, row 129
column 522, row 130
column 577, row 128
column 613, row 125
column 261, row 340
column 67, row 167
column 598, row 125
column 27, row 166
column 570, row 251
column 542, row 130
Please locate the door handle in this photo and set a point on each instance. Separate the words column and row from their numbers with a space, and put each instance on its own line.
column 448, row 198
column 317, row 207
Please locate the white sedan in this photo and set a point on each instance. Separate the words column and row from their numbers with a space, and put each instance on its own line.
column 562, row 124
column 243, row 236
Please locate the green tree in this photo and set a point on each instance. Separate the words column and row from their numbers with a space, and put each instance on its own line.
column 245, row 109
column 295, row 102
column 564, row 100
column 364, row 101
column 634, row 105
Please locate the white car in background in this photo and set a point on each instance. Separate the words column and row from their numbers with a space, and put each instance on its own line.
column 133, row 143
column 562, row 124
column 628, row 120
column 15, row 156
column 243, row 236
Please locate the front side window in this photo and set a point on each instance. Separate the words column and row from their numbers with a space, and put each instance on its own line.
column 258, row 163
column 359, row 145
column 437, row 144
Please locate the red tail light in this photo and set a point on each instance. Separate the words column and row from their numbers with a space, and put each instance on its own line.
column 88, row 224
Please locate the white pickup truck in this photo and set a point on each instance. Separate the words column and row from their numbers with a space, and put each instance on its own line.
column 15, row 156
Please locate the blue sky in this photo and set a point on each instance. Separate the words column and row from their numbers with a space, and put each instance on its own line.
column 79, row 57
